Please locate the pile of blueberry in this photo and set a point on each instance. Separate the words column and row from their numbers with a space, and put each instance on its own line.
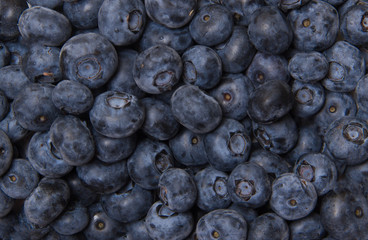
column 183, row 119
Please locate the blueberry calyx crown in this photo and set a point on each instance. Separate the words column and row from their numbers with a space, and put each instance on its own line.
column 245, row 189
column 237, row 143
column 355, row 132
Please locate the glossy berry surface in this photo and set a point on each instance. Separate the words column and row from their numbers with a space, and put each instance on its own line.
column 249, row 185
column 117, row 114
column 200, row 113
column 222, row 223
column 183, row 119
column 292, row 197
column 88, row 58
column 178, row 190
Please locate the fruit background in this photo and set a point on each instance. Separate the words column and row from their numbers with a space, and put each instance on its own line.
column 183, row 119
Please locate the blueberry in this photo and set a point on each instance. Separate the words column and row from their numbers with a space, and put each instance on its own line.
column 336, row 105
column 269, row 31
column 149, row 160
column 309, row 98
column 329, row 238
column 234, row 61
column 270, row 102
column 101, row 226
column 212, row 189
column 318, row 169
column 241, row 10
column 128, row 204
column 46, row 3
column 195, row 110
column 18, row 50
column 122, row 21
column 343, row 213
column 164, row 224
column 202, row 3
column 248, row 213
column 336, row 3
column 308, row 141
column 12, row 80
column 211, row 25
column 137, row 231
column 123, row 80
column 73, row 220
column 110, row 150
column 166, row 96
column 247, row 123
column 268, row 226
column 340, row 164
column 347, row 66
column 20, row 179
column 72, row 97
column 278, row 137
column 88, row 58
column 25, row 229
column 4, row 55
column 53, row 235
column 45, row 26
column 33, row 107
column 343, row 8
column 308, row 67
column 171, row 14
column 188, row 148
column 10, row 12
column 44, row 157
column 271, row 162
column 159, row 122
column 6, row 205
column 12, row 128
column 233, row 94
column 41, row 64
column 157, row 69
column 103, row 178
column 286, row 5
column 82, row 13
column 178, row 190
column 47, row 201
column 266, row 67
column 222, row 223
column 117, row 114
column 354, row 25
column 228, row 145
column 73, row 140
column 176, row 38
column 361, row 97
column 6, row 152
column 357, row 175
column 292, row 197
column 202, row 67
column 7, row 223
column 308, row 228
column 346, row 139
column 315, row 26
column 79, row 191
column 249, row 185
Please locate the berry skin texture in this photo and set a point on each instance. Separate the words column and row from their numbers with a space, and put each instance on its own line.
column 45, row 26
column 292, row 197
column 157, row 69
column 117, row 114
column 46, row 201
column 222, row 223
column 195, row 110
column 88, row 58
column 269, row 31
